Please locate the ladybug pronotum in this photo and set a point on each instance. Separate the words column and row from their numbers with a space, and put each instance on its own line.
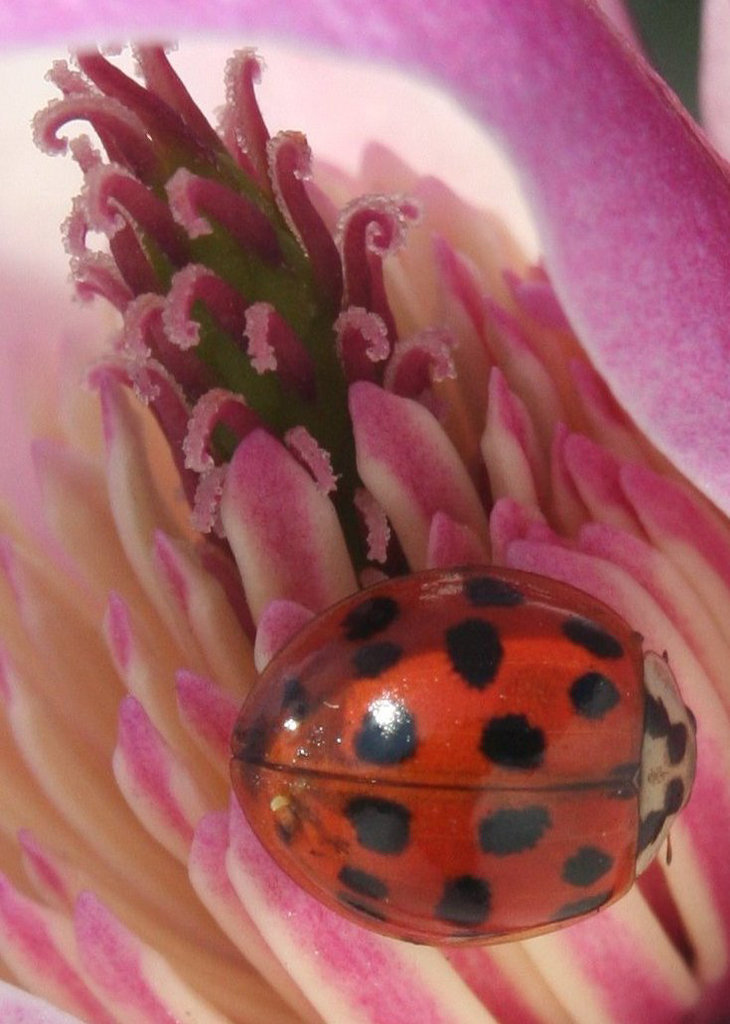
column 467, row 755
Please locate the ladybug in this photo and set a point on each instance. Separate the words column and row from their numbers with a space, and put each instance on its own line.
column 466, row 755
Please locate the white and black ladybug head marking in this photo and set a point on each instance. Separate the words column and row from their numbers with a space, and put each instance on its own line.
column 668, row 758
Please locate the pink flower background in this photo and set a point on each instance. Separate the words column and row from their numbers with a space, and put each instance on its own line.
column 631, row 208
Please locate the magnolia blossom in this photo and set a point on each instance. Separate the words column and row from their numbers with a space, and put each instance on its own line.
column 567, row 417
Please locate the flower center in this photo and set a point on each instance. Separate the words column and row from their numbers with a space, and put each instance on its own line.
column 247, row 303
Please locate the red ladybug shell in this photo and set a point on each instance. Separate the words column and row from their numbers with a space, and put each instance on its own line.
column 456, row 756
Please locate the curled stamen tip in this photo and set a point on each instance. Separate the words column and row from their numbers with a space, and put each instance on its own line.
column 421, row 360
column 376, row 524
column 314, row 457
column 206, row 515
column 217, row 406
column 180, row 194
column 362, row 343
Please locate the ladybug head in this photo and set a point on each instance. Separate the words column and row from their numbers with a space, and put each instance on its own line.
column 668, row 758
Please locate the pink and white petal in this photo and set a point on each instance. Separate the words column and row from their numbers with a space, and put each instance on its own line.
column 568, row 511
column 129, row 976
column 52, row 629
column 135, row 495
column 80, row 787
column 209, row 714
column 656, row 984
column 53, row 877
column 609, row 425
column 529, row 373
column 146, row 661
column 18, row 1007
column 451, row 543
column 595, row 474
column 283, row 531
column 508, row 983
column 534, row 295
column 662, row 347
column 510, row 522
column 334, row 961
column 208, row 875
column 76, row 507
column 509, row 446
column 38, row 945
column 692, row 893
column 164, row 794
column 211, row 620
column 673, row 591
column 688, row 531
column 409, row 465
column 279, row 622
column 714, row 73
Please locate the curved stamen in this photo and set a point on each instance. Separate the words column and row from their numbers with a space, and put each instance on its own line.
column 290, row 162
column 370, row 229
column 200, row 203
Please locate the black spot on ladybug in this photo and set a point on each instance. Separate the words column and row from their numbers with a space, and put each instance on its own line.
column 512, row 742
column 465, row 901
column 285, row 832
column 371, row 660
column 387, row 733
column 677, row 742
column 650, row 828
column 363, row 883
column 586, row 866
column 656, row 719
column 475, row 651
column 370, row 617
column 593, row 695
column 624, row 781
column 250, row 743
column 296, row 702
column 512, row 830
column 361, row 908
column 674, row 796
column 592, row 637
column 580, row 907
column 382, row 826
column 488, row 591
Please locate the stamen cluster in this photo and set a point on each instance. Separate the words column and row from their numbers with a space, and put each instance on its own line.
column 247, row 303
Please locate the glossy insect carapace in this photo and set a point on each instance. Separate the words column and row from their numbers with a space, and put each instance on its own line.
column 465, row 755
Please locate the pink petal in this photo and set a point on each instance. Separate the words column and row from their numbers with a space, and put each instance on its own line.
column 155, row 783
column 135, row 492
column 76, row 505
column 595, row 475
column 451, row 543
column 133, row 978
column 207, row 614
column 334, row 961
column 209, row 714
column 17, row 1007
column 52, row 876
column 210, row 880
column 656, row 985
column 277, row 625
column 38, row 944
column 283, row 531
column 506, row 980
column 509, row 445
column 410, row 466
